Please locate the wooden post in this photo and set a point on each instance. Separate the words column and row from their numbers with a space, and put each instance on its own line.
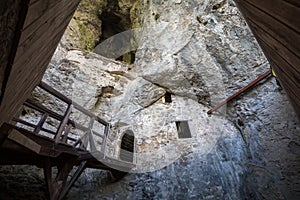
column 41, row 123
column 76, row 175
column 103, row 147
column 63, row 123
column 61, row 179
column 48, row 178
column 66, row 133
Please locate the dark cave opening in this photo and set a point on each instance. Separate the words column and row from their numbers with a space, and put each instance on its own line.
column 114, row 23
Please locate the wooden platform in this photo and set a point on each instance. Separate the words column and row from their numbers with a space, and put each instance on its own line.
column 276, row 26
column 71, row 144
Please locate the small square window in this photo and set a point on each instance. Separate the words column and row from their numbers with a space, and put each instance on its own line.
column 183, row 129
column 168, row 97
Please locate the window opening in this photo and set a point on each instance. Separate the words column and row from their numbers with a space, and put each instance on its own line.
column 168, row 97
column 183, row 129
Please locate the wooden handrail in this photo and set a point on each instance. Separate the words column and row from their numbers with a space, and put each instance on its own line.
column 65, row 99
column 66, row 124
column 261, row 77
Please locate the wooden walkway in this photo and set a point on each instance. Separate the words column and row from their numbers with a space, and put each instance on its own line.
column 28, row 143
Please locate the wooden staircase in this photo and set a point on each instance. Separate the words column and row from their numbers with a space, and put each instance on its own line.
column 26, row 143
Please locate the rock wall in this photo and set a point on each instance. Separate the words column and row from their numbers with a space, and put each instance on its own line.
column 96, row 20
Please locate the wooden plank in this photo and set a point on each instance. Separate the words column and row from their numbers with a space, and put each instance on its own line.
column 283, row 69
column 61, row 9
column 24, row 141
column 38, row 107
column 104, row 141
column 55, row 92
column 42, row 38
column 38, row 8
column 280, row 48
column 293, row 2
column 280, row 65
column 277, row 32
column 30, row 62
column 280, row 10
column 287, row 36
column 24, row 122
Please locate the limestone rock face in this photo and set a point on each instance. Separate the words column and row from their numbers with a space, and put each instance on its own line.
column 84, row 30
column 97, row 20
column 191, row 53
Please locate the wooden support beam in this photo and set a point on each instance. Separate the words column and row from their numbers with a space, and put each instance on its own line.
column 21, row 139
column 48, row 178
column 61, row 179
column 74, row 178
column 261, row 77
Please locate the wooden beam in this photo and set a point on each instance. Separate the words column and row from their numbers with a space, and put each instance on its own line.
column 261, row 77
column 63, row 123
column 74, row 178
column 24, row 141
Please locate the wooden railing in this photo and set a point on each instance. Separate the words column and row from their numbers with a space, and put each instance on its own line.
column 63, row 133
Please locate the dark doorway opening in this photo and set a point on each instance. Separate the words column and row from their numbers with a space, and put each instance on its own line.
column 183, row 129
column 127, row 146
column 168, row 97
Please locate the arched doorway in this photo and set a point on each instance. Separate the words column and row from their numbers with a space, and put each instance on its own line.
column 127, row 146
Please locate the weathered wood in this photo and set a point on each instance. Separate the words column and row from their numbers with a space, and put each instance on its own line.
column 34, row 52
column 24, row 141
column 38, row 8
column 24, row 122
column 51, row 19
column 281, row 11
column 287, row 36
column 61, row 179
column 34, row 105
column 38, row 107
column 64, row 98
column 84, row 141
column 293, row 2
column 281, row 49
column 74, row 178
column 47, row 169
column 63, row 123
column 293, row 88
column 66, row 132
column 41, row 123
